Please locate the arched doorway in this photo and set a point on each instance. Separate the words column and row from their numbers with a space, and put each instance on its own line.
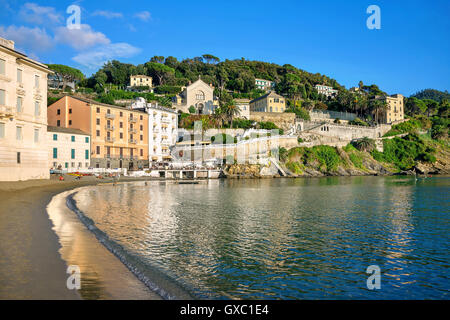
column 200, row 108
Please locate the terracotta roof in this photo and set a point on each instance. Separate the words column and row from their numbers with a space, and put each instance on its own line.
column 66, row 130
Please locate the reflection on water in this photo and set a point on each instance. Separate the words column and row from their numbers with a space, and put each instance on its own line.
column 102, row 275
column 285, row 238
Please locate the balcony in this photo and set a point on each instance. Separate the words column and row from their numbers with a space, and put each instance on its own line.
column 110, row 116
column 132, row 141
column 6, row 112
column 133, row 120
column 109, row 128
column 166, row 120
column 132, row 130
column 110, row 139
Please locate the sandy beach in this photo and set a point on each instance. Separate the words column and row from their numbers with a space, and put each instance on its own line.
column 31, row 265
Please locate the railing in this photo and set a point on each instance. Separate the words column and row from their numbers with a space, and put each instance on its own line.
column 166, row 120
column 110, row 116
column 133, row 120
column 133, row 141
column 109, row 128
column 132, row 130
column 110, row 139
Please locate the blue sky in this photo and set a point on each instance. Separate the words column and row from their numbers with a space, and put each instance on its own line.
column 410, row 52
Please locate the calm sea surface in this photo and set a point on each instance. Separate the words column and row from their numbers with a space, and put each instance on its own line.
column 285, row 238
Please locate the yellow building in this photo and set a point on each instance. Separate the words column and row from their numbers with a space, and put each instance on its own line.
column 395, row 109
column 141, row 81
column 270, row 102
column 119, row 136
column 23, row 116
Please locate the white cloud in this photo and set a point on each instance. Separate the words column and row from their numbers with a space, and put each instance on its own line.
column 98, row 56
column 107, row 14
column 80, row 39
column 34, row 39
column 143, row 15
column 35, row 14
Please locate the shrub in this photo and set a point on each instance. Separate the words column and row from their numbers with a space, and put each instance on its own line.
column 242, row 123
column 223, row 138
column 358, row 122
column 192, row 110
column 300, row 112
column 327, row 156
column 299, row 140
column 410, row 126
column 356, row 159
column 167, row 89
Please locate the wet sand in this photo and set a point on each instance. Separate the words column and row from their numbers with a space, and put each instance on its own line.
column 31, row 266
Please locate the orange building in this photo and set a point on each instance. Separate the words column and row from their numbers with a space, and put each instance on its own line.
column 119, row 136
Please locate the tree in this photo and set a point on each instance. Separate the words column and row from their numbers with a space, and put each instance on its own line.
column 192, row 110
column 159, row 71
column 365, row 144
column 157, row 59
column 210, row 59
column 65, row 74
column 377, row 106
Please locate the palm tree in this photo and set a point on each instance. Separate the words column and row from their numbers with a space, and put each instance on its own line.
column 365, row 144
column 377, row 106
column 232, row 111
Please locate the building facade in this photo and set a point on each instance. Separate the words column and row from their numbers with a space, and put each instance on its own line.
column 23, row 116
column 395, row 110
column 327, row 91
column 119, row 136
column 265, row 85
column 199, row 95
column 141, row 81
column 163, row 129
column 270, row 102
column 244, row 107
column 68, row 149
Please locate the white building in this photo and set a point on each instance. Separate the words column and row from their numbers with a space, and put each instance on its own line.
column 244, row 107
column 162, row 129
column 327, row 91
column 68, row 149
column 265, row 85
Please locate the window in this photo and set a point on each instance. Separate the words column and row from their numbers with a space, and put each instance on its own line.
column 70, row 111
column 18, row 157
column 37, row 109
column 73, row 138
column 98, row 122
column 2, row 66
column 19, row 133
column 72, row 153
column 142, row 127
column 58, row 123
column 19, row 76
column 58, row 112
column 55, row 153
column 141, row 118
column 121, row 114
column 86, row 154
column 70, row 122
column 98, row 150
column 121, row 135
column 200, row 95
column 2, row 130
column 121, row 124
column 142, row 137
column 2, row 97
column 72, row 164
column 142, row 152
column 36, row 135
column 87, row 164
column 98, row 133
column 19, row 104
column 98, row 110
column 86, row 139
column 36, row 82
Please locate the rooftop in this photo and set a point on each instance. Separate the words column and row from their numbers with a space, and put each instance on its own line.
column 270, row 94
column 66, row 130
